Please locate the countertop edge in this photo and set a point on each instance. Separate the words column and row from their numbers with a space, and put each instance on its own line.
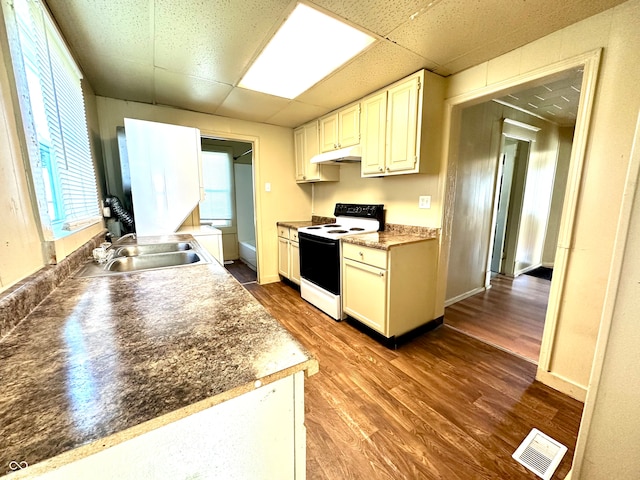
column 310, row 367
column 384, row 245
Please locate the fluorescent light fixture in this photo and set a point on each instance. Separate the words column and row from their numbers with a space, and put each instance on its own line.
column 308, row 46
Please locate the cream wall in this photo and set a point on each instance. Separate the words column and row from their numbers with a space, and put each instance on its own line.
column 607, row 155
column 559, row 189
column 476, row 170
column 607, row 445
column 273, row 164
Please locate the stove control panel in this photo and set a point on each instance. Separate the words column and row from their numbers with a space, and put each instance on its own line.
column 373, row 211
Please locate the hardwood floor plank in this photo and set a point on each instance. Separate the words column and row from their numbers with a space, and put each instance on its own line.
column 443, row 406
column 511, row 314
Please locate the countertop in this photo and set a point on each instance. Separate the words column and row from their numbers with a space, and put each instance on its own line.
column 393, row 237
column 105, row 359
column 295, row 224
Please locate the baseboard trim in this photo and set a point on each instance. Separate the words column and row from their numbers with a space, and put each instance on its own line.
column 563, row 385
column 464, row 296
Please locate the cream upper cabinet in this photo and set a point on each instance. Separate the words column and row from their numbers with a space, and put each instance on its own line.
column 374, row 122
column 400, row 130
column 391, row 291
column 340, row 129
column 306, row 145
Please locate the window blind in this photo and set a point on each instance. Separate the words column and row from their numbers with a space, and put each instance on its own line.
column 57, row 116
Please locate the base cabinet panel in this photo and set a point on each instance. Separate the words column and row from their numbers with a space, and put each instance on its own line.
column 364, row 290
column 254, row 436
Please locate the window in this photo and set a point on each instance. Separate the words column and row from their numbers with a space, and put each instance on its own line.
column 217, row 206
column 52, row 106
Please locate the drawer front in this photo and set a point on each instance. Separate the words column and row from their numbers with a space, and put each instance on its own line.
column 370, row 256
column 293, row 234
column 284, row 232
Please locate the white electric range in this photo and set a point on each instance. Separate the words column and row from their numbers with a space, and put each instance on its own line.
column 321, row 253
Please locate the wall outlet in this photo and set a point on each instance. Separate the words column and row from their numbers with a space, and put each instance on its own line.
column 424, row 201
column 267, row 187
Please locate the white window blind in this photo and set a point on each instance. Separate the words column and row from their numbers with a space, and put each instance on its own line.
column 52, row 106
column 217, row 206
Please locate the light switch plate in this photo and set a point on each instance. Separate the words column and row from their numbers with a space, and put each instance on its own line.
column 424, row 201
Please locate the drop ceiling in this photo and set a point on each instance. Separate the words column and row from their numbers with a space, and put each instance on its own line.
column 191, row 54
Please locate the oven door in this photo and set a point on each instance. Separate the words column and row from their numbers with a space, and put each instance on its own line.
column 320, row 261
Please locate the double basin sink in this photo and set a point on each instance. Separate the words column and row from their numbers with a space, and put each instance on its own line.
column 147, row 256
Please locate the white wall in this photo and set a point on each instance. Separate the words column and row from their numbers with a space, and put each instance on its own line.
column 273, row 163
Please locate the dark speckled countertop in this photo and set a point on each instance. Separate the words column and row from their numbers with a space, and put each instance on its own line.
column 104, row 359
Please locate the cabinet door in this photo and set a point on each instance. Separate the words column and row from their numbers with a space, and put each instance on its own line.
column 329, row 133
column 283, row 257
column 349, row 126
column 374, row 119
column 402, row 124
column 300, row 153
column 294, row 262
column 312, row 148
column 364, row 294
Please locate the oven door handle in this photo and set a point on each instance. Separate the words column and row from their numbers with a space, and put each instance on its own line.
column 320, row 240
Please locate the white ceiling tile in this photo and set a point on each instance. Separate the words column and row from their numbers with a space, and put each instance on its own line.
column 377, row 16
column 213, row 40
column 118, row 78
column 296, row 114
column 107, row 28
column 381, row 65
column 249, row 105
column 190, row 93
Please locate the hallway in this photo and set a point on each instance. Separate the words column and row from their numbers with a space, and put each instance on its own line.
column 510, row 315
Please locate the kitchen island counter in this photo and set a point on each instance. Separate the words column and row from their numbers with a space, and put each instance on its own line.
column 102, row 360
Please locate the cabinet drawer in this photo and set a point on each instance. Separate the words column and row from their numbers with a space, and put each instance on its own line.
column 293, row 234
column 370, row 256
column 284, row 232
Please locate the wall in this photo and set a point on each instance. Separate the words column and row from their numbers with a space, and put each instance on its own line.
column 616, row 104
column 244, row 202
column 478, row 151
column 273, row 163
column 559, row 189
column 607, row 445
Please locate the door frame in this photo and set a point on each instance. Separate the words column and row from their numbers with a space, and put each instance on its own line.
column 590, row 62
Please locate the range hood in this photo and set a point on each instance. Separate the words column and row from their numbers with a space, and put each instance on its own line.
column 336, row 157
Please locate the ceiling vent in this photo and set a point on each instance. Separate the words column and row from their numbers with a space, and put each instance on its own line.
column 540, row 454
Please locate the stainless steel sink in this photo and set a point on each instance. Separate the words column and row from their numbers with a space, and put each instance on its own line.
column 147, row 256
column 147, row 262
column 150, row 248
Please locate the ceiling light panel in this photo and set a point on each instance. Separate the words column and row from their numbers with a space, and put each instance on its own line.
column 308, row 46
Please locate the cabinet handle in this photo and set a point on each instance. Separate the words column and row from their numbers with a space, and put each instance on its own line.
column 381, row 274
column 361, row 254
column 379, row 169
column 304, row 177
column 387, row 169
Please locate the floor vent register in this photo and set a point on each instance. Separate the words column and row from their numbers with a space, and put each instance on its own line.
column 540, row 453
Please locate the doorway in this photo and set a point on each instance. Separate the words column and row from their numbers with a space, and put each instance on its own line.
column 508, row 180
column 229, row 204
column 512, row 170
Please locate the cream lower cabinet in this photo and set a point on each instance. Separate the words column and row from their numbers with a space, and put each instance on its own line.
column 289, row 254
column 391, row 291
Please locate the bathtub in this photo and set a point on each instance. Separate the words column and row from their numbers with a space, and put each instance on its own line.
column 247, row 253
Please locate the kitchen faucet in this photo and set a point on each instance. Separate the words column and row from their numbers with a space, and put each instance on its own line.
column 122, row 238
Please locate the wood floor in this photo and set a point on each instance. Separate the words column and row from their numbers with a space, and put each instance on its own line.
column 510, row 314
column 443, row 406
column 241, row 272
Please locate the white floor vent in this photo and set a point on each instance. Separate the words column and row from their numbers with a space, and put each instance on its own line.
column 540, row 454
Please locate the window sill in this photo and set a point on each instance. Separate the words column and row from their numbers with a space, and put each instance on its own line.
column 70, row 241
